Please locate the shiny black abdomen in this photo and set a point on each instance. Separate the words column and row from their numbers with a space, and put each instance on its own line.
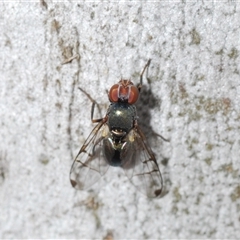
column 113, row 151
column 115, row 160
column 121, row 116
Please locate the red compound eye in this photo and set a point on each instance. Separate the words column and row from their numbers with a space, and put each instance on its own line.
column 134, row 94
column 124, row 91
column 113, row 93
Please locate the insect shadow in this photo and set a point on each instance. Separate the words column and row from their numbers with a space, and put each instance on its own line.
column 147, row 102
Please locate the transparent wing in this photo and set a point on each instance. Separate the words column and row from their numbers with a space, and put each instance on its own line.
column 140, row 165
column 89, row 164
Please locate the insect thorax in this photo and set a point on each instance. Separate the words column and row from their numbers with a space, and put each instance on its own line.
column 121, row 118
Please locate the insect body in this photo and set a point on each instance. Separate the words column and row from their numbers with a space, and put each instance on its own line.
column 121, row 118
column 118, row 141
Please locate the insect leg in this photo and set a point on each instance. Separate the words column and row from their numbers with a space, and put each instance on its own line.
column 141, row 75
column 93, row 106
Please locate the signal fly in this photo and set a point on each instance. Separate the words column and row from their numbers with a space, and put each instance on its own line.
column 118, row 141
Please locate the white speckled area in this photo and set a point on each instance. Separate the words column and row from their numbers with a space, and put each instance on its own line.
column 44, row 118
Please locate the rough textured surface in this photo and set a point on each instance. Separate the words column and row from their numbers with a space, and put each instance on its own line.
column 195, row 95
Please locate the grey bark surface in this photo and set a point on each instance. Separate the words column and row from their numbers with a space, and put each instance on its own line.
column 192, row 99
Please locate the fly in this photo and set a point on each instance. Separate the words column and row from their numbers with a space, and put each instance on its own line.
column 118, row 141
